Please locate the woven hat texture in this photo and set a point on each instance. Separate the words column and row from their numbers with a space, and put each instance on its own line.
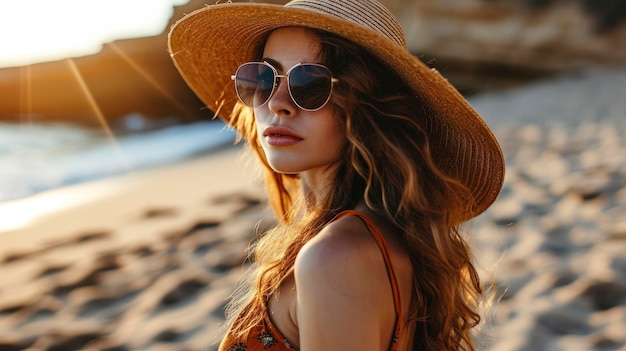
column 209, row 44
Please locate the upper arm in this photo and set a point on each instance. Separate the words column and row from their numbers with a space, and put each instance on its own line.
column 340, row 294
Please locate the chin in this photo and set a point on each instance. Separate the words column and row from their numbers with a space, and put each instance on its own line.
column 284, row 170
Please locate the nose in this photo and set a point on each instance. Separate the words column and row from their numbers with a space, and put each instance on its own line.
column 280, row 103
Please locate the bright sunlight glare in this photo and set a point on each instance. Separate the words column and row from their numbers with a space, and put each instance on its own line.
column 33, row 31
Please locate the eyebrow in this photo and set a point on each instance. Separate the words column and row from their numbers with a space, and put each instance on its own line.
column 274, row 63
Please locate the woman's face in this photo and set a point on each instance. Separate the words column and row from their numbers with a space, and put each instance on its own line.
column 295, row 140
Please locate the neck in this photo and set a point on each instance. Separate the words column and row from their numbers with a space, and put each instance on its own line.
column 316, row 184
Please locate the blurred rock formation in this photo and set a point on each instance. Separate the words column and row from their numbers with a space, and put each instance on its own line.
column 477, row 44
column 132, row 76
column 488, row 44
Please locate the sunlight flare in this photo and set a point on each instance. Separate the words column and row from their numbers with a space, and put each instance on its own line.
column 49, row 30
column 94, row 106
column 26, row 95
column 159, row 87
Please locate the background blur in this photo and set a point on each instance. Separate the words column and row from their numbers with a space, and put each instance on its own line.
column 146, row 261
column 77, row 75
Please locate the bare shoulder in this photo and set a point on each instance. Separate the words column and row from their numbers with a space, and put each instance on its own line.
column 342, row 250
column 341, row 303
column 342, row 264
column 344, row 295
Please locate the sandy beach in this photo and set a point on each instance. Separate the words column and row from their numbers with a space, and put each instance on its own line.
column 147, row 261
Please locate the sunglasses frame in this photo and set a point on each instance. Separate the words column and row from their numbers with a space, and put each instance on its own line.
column 276, row 83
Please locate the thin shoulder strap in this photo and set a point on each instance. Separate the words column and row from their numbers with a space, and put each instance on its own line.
column 384, row 248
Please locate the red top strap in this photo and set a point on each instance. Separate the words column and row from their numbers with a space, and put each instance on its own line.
column 266, row 336
column 384, row 248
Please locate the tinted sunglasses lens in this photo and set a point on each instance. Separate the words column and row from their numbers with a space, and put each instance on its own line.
column 254, row 83
column 310, row 86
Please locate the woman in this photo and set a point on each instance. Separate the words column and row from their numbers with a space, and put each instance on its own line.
column 372, row 163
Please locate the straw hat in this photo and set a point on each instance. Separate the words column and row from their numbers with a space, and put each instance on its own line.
column 209, row 44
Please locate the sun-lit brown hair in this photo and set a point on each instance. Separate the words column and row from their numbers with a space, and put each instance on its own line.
column 388, row 166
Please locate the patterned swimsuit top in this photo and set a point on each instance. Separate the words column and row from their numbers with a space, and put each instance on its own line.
column 265, row 336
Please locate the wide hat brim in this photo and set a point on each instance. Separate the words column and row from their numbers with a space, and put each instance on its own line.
column 209, row 44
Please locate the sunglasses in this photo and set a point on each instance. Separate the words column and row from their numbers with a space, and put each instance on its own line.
column 310, row 85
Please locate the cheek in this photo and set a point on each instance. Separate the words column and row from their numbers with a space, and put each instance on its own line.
column 339, row 130
column 258, row 123
column 342, row 142
column 335, row 136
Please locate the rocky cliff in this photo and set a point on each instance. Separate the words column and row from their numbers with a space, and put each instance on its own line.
column 476, row 44
column 486, row 44
column 134, row 76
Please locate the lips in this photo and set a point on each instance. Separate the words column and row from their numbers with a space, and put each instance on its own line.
column 280, row 136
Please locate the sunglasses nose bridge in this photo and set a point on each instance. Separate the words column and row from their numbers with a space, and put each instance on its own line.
column 281, row 98
column 278, row 79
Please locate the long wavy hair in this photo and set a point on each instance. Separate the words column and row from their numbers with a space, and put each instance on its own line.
column 387, row 164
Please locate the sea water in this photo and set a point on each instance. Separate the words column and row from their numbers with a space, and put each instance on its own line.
column 35, row 157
